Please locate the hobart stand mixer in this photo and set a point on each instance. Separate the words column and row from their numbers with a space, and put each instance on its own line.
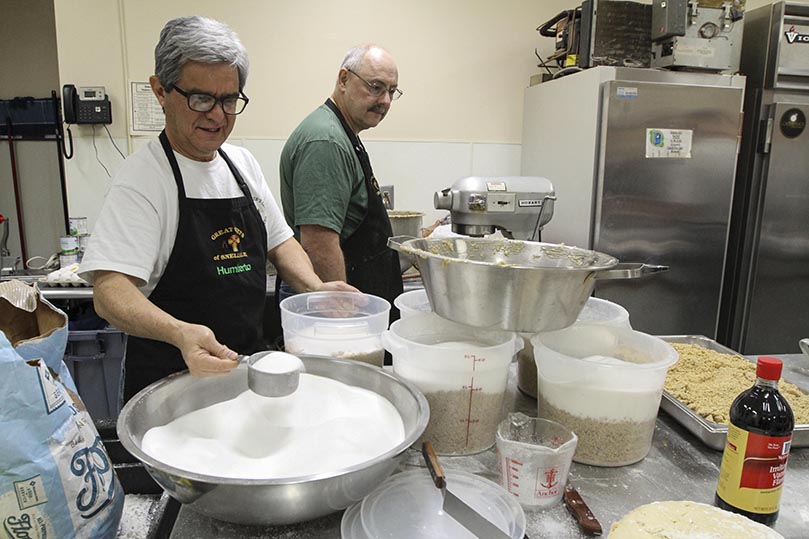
column 518, row 206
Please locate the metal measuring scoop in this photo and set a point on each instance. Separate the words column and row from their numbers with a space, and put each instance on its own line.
column 272, row 374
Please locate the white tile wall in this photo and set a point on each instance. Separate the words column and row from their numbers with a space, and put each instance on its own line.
column 415, row 169
column 496, row 159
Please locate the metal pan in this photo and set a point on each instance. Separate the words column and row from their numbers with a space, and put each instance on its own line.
column 714, row 434
column 508, row 284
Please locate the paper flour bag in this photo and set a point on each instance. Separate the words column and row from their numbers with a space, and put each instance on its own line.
column 56, row 479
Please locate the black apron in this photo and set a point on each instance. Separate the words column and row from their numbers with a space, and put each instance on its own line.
column 215, row 276
column 371, row 265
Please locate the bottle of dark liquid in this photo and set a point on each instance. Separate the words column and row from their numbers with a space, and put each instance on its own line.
column 759, row 437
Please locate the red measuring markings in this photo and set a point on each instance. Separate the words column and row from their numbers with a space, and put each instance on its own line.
column 472, row 390
column 513, row 469
column 475, row 360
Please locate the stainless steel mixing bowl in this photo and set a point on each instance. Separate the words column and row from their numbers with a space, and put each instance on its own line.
column 508, row 284
column 405, row 223
column 268, row 501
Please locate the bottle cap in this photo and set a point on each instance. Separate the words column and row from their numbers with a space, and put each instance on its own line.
column 769, row 368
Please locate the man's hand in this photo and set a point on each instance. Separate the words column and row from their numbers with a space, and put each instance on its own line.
column 204, row 355
column 336, row 286
column 119, row 302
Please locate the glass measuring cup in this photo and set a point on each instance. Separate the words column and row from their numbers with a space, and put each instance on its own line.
column 534, row 458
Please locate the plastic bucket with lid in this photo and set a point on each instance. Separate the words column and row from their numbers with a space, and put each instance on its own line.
column 604, row 383
column 413, row 302
column 335, row 324
column 463, row 373
column 595, row 311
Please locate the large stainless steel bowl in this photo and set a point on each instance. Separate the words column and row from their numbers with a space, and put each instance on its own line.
column 405, row 223
column 268, row 501
column 509, row 284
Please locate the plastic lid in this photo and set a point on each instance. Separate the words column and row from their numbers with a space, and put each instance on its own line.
column 351, row 525
column 409, row 506
column 769, row 368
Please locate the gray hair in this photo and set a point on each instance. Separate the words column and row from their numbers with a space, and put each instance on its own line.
column 197, row 39
column 355, row 55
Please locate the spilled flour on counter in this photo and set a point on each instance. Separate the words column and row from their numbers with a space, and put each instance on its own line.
column 324, row 426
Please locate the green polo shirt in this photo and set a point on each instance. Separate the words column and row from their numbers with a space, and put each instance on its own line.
column 322, row 182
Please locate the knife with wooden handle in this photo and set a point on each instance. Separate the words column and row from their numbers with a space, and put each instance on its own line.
column 587, row 521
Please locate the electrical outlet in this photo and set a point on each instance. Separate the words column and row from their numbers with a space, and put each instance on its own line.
column 387, row 196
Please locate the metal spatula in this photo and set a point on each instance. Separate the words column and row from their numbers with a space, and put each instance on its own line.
column 455, row 507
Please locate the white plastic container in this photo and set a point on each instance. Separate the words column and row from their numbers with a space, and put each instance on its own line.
column 604, row 383
column 77, row 226
column 335, row 324
column 413, row 302
column 601, row 311
column 463, row 373
column 595, row 311
column 68, row 245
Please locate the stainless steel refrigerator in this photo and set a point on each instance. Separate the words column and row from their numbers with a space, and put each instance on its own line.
column 766, row 304
column 643, row 162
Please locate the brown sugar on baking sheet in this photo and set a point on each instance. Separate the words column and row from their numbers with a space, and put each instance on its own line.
column 708, row 381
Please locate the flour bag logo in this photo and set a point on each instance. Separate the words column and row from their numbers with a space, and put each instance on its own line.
column 92, row 464
column 795, row 37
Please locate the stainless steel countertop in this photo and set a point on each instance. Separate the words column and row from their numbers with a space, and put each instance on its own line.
column 678, row 467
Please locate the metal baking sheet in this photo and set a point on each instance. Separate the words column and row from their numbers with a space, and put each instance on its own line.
column 714, row 434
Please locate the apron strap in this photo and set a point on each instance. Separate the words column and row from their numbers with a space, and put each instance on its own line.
column 175, row 168
column 356, row 143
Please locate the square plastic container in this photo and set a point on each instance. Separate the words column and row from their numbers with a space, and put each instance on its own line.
column 95, row 361
column 336, row 324
column 605, row 384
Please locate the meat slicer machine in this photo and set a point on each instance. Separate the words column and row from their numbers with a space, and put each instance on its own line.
column 518, row 206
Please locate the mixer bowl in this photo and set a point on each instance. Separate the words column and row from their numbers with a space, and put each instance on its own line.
column 508, row 284
column 405, row 223
column 268, row 501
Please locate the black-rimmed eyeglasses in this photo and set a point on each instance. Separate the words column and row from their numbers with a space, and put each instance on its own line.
column 378, row 90
column 197, row 102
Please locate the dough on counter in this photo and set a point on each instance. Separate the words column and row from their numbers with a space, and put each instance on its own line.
column 687, row 520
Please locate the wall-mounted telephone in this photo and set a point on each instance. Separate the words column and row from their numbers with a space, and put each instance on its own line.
column 86, row 105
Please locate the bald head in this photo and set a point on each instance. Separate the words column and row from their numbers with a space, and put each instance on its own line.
column 355, row 56
column 365, row 82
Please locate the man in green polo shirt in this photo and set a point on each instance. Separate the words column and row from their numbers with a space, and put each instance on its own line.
column 330, row 196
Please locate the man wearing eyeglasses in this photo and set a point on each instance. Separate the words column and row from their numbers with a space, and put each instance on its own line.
column 177, row 256
column 328, row 190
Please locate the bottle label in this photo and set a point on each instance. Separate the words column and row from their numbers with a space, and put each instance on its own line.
column 752, row 471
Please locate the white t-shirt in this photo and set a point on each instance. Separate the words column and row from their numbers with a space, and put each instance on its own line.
column 137, row 226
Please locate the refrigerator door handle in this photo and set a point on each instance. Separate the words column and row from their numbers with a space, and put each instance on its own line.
column 765, row 133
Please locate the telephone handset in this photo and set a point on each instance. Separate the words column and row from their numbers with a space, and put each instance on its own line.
column 87, row 105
